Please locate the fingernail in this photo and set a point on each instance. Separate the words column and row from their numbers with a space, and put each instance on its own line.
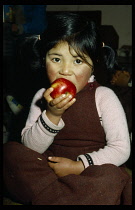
column 49, row 158
column 70, row 96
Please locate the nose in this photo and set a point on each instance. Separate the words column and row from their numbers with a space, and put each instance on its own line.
column 66, row 70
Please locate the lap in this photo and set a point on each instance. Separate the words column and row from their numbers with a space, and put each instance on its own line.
column 28, row 178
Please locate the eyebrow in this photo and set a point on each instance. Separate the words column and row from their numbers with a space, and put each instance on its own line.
column 54, row 54
column 75, row 56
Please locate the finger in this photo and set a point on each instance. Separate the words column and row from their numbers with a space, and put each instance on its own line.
column 47, row 94
column 70, row 103
column 51, row 165
column 66, row 102
column 55, row 159
column 51, row 103
column 58, row 99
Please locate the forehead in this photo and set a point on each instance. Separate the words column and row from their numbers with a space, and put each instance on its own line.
column 63, row 46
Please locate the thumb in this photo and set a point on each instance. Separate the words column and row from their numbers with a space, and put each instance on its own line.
column 55, row 159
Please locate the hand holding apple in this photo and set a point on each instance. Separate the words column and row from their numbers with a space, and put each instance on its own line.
column 57, row 106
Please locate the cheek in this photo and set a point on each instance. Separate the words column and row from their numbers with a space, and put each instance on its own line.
column 50, row 72
column 82, row 79
column 84, row 75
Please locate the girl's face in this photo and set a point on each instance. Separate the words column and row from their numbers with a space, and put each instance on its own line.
column 63, row 62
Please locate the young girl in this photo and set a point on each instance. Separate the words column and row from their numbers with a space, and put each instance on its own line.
column 72, row 149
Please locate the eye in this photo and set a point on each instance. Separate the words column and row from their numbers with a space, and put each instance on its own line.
column 56, row 60
column 78, row 61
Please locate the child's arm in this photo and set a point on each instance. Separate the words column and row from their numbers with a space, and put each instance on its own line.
column 117, row 149
column 42, row 127
column 34, row 134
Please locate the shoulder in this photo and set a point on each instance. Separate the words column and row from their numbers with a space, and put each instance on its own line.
column 104, row 92
column 106, row 97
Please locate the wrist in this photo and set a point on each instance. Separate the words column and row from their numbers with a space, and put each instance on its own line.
column 53, row 118
column 47, row 127
column 80, row 167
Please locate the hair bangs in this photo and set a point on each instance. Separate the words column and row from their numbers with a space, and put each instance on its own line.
column 82, row 46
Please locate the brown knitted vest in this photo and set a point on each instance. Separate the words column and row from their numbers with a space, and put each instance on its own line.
column 83, row 132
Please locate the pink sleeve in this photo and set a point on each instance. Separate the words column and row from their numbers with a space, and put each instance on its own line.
column 34, row 134
column 117, row 149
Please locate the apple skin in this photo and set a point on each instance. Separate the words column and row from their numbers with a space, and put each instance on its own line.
column 63, row 86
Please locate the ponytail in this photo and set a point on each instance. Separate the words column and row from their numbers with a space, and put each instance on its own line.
column 30, row 53
column 108, row 57
column 104, row 66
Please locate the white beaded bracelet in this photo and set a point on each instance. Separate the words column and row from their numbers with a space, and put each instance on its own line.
column 51, row 130
column 89, row 159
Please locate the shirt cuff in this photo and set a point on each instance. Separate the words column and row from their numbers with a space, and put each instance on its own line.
column 86, row 159
column 48, row 126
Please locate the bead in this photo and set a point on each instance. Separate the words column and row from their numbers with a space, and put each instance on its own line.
column 89, row 159
column 47, row 127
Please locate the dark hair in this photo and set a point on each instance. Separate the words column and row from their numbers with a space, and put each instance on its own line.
column 76, row 30
column 81, row 34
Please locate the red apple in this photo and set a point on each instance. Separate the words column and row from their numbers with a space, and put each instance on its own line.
column 63, row 86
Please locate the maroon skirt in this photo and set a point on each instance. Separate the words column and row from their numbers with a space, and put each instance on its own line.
column 29, row 180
